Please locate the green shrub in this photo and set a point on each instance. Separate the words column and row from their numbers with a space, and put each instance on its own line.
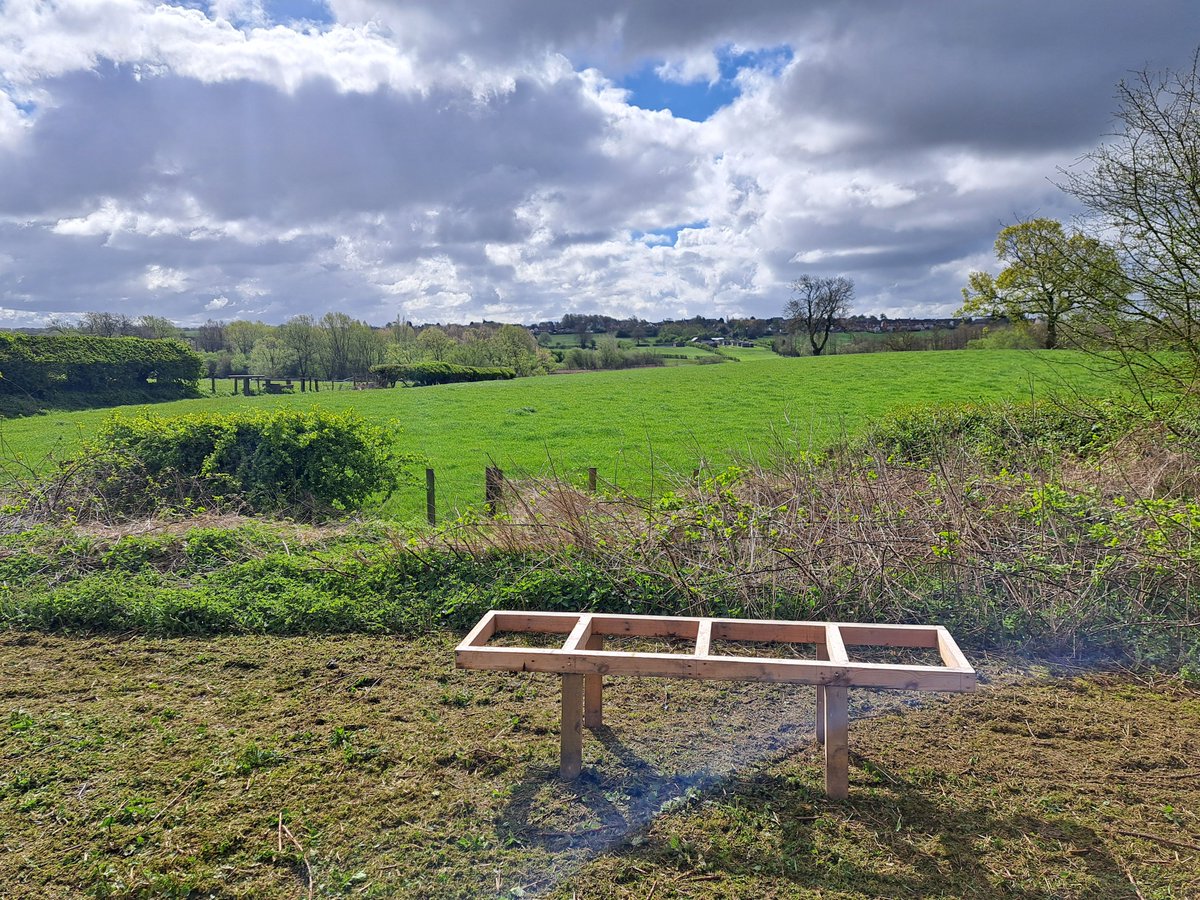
column 292, row 461
column 427, row 373
column 1004, row 434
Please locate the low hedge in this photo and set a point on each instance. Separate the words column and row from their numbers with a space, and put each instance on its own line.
column 427, row 373
column 306, row 462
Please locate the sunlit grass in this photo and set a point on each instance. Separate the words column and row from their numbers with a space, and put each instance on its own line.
column 636, row 427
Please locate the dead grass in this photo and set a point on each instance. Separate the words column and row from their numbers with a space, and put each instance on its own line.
column 238, row 767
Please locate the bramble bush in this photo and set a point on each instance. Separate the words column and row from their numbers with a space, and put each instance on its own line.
column 304, row 463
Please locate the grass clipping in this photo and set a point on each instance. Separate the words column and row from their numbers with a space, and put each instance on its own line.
column 259, row 766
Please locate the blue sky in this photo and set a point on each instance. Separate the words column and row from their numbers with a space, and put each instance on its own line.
column 697, row 100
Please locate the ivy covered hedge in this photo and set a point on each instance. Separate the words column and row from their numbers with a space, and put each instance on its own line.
column 426, row 373
column 45, row 365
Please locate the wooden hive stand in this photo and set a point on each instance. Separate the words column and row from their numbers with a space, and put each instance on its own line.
column 583, row 662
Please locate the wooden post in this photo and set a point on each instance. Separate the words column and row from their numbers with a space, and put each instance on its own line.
column 493, row 482
column 246, row 386
column 571, row 747
column 213, row 380
column 593, row 688
column 592, row 480
column 822, row 653
column 837, row 749
column 235, row 390
column 430, row 497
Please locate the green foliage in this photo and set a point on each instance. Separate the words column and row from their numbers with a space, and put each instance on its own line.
column 298, row 461
column 422, row 374
column 1019, row 337
column 1048, row 276
column 1013, row 435
column 45, row 365
column 609, row 355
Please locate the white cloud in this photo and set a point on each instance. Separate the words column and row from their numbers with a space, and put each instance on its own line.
column 160, row 278
column 453, row 159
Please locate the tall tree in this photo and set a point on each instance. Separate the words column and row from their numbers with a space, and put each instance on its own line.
column 106, row 324
column 148, row 326
column 210, row 337
column 434, row 343
column 816, row 306
column 335, row 326
column 303, row 341
column 243, row 335
column 1049, row 276
column 1142, row 192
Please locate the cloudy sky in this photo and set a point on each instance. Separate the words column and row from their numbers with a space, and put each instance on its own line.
column 449, row 160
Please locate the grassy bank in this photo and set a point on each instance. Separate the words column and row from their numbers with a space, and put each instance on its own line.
column 634, row 426
column 254, row 766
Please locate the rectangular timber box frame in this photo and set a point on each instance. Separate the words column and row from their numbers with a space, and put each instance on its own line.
column 583, row 662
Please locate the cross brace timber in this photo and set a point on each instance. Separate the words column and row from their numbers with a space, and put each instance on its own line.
column 582, row 662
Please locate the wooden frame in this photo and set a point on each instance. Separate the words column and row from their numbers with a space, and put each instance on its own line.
column 582, row 662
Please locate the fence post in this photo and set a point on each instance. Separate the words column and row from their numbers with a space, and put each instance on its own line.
column 430, row 497
column 592, row 480
column 493, row 479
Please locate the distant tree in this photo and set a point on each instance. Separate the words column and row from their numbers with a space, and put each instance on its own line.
column 210, row 337
column 270, row 357
column 1049, row 276
column 156, row 327
column 335, row 357
column 302, row 339
column 365, row 348
column 515, row 348
column 608, row 352
column 816, row 306
column 106, row 324
column 434, row 343
column 242, row 335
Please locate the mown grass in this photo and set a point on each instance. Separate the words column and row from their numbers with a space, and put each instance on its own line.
column 633, row 426
column 256, row 767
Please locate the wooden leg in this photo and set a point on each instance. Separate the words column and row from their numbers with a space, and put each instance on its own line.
column 571, row 749
column 837, row 750
column 822, row 653
column 593, row 689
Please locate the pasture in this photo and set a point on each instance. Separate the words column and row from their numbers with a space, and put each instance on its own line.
column 637, row 427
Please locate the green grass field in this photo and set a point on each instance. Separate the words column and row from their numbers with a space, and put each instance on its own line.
column 637, row 426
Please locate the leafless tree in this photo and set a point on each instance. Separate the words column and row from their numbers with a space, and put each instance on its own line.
column 106, row 324
column 1142, row 192
column 210, row 336
column 816, row 306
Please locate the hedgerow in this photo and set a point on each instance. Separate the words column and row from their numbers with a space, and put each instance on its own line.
column 42, row 365
column 427, row 373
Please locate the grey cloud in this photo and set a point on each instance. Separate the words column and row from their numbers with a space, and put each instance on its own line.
column 372, row 200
